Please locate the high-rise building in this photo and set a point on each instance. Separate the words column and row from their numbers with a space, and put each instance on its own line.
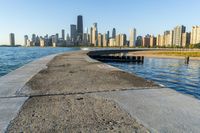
column 185, row 39
column 63, row 34
column 105, row 41
column 177, row 38
column 152, row 41
column 132, row 42
column 146, row 41
column 113, row 33
column 195, row 35
column 139, row 41
column 95, row 34
column 80, row 27
column 112, row 42
column 73, row 33
column 12, row 39
column 54, row 41
column 42, row 42
column 33, row 39
column 100, row 40
column 117, row 39
column 25, row 40
column 122, row 40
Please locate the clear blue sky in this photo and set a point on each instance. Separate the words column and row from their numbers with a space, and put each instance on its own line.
column 50, row 16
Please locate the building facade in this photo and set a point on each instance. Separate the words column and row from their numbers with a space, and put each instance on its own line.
column 12, row 39
column 177, row 37
column 195, row 35
column 132, row 41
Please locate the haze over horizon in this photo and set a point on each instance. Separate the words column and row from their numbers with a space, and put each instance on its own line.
column 24, row 17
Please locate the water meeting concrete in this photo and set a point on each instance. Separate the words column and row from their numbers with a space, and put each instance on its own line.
column 10, row 84
column 87, row 95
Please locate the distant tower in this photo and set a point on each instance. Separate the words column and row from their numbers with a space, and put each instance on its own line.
column 12, row 39
column 95, row 34
column 113, row 33
column 25, row 40
column 73, row 33
column 132, row 38
column 108, row 35
column 33, row 39
column 177, row 37
column 80, row 27
column 63, row 34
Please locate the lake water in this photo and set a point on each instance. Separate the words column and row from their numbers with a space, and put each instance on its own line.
column 12, row 58
column 172, row 73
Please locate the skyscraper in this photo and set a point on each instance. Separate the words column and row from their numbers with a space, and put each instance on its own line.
column 33, row 39
column 105, row 41
column 152, row 41
column 100, row 40
column 12, row 39
column 195, row 35
column 146, row 41
column 94, row 34
column 186, row 39
column 122, row 40
column 25, row 40
column 80, row 27
column 113, row 33
column 73, row 33
column 132, row 38
column 177, row 38
column 63, row 34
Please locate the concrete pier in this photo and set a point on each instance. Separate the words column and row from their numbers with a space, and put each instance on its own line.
column 75, row 93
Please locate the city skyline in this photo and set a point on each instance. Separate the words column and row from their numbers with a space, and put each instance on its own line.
column 21, row 18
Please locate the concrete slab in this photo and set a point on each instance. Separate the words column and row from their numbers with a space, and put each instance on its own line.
column 8, row 110
column 10, row 103
column 15, row 80
column 160, row 110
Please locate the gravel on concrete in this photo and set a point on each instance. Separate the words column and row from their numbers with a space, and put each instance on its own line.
column 61, row 98
column 72, row 73
column 74, row 113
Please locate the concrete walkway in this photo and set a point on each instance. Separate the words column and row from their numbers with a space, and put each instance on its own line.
column 85, row 81
column 160, row 110
column 10, row 103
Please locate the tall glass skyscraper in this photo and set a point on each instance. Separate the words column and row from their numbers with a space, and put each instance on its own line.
column 113, row 33
column 12, row 39
column 80, row 27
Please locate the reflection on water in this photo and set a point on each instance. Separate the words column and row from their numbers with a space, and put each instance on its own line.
column 172, row 73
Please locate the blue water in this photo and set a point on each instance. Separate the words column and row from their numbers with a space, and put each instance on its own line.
column 12, row 58
column 172, row 73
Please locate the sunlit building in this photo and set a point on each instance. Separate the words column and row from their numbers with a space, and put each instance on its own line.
column 195, row 35
column 186, row 39
column 177, row 37
column 132, row 42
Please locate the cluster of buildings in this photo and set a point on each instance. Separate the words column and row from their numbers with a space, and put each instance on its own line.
column 177, row 37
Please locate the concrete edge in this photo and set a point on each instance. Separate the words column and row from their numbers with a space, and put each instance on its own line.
column 13, row 82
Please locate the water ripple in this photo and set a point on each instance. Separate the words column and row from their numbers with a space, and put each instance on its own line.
column 172, row 73
column 12, row 58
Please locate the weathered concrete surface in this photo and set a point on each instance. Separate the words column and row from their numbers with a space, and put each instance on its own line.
column 74, row 113
column 76, row 94
column 10, row 102
column 15, row 80
column 9, row 107
column 55, row 106
column 160, row 110
column 75, row 73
